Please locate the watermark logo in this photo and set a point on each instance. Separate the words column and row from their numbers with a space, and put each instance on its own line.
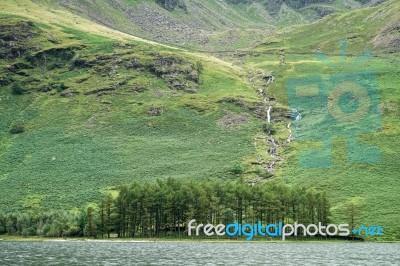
column 368, row 231
column 344, row 103
column 279, row 230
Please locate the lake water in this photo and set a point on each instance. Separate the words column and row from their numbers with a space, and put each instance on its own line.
column 197, row 253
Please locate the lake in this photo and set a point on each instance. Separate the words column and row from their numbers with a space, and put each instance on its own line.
column 197, row 253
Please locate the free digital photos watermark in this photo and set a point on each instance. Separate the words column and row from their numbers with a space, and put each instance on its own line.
column 341, row 101
column 279, row 230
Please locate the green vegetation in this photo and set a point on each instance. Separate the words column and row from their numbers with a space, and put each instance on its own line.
column 374, row 185
column 203, row 25
column 17, row 129
column 268, row 128
column 85, row 109
column 61, row 87
column 16, row 88
column 162, row 209
column 99, row 112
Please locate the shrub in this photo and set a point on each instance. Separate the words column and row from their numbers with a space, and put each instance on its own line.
column 238, row 169
column 199, row 66
column 61, row 87
column 17, row 89
column 17, row 129
column 261, row 172
column 269, row 128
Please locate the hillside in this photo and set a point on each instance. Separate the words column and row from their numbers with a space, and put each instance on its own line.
column 203, row 25
column 84, row 112
column 85, row 108
column 370, row 43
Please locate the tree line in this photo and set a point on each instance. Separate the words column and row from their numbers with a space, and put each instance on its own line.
column 163, row 208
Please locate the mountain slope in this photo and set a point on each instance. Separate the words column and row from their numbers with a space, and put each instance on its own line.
column 204, row 25
column 84, row 112
column 85, row 108
column 339, row 46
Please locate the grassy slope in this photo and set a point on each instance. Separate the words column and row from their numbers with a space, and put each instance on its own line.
column 375, row 186
column 202, row 26
column 95, row 157
column 74, row 148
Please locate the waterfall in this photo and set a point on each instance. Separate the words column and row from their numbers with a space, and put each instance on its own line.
column 289, row 139
column 269, row 114
column 296, row 115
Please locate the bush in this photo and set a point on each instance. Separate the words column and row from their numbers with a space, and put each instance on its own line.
column 17, row 89
column 17, row 129
column 261, row 172
column 61, row 87
column 238, row 169
column 269, row 128
column 199, row 66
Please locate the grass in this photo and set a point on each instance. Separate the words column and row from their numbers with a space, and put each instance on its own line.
column 75, row 148
column 211, row 18
column 374, row 184
column 358, row 27
column 377, row 183
column 53, row 17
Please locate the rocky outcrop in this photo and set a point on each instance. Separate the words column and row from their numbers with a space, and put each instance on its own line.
column 170, row 5
column 389, row 37
column 15, row 36
column 233, row 120
column 177, row 72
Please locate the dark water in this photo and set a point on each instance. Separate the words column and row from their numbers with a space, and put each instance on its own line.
column 190, row 253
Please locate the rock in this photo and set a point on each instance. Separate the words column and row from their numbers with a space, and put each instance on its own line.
column 98, row 90
column 68, row 94
column 155, row 111
column 232, row 120
column 139, row 89
column 51, row 39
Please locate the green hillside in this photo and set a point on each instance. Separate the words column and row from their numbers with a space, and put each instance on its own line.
column 203, row 25
column 81, row 113
column 85, row 108
column 313, row 50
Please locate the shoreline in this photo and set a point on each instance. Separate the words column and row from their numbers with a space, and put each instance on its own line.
column 165, row 240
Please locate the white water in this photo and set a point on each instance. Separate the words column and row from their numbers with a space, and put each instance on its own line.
column 297, row 116
column 269, row 114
